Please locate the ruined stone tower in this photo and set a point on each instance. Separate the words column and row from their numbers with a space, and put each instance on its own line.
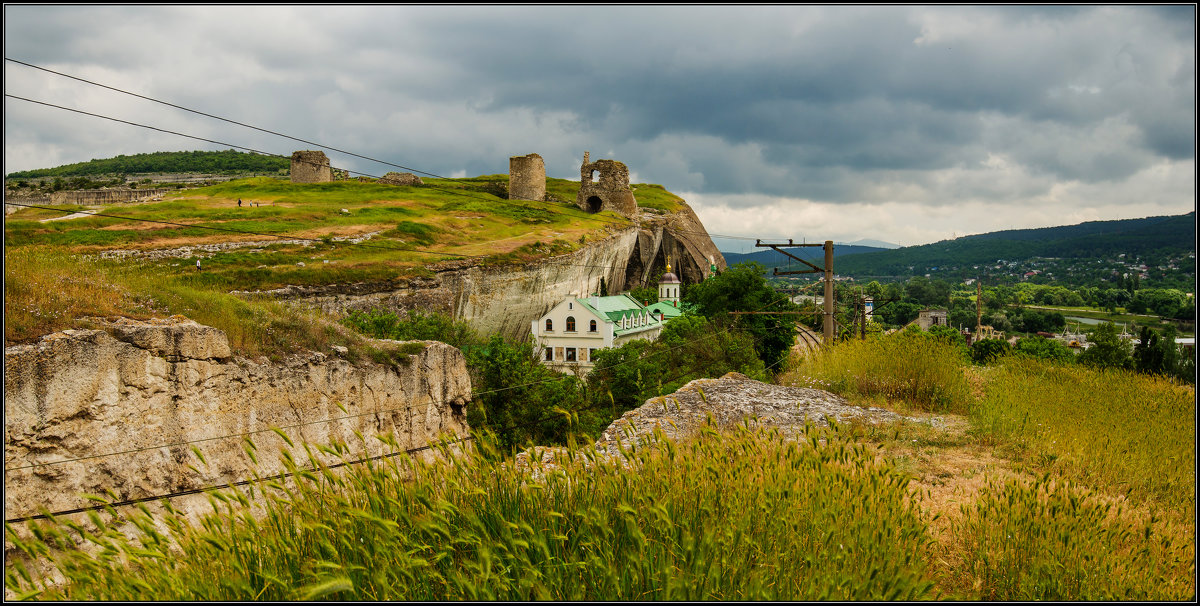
column 311, row 167
column 526, row 178
column 609, row 190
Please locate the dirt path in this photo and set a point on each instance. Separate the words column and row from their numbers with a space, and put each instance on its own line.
column 90, row 210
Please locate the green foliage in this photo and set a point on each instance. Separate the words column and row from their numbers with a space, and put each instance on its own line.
column 518, row 398
column 212, row 162
column 1054, row 541
column 743, row 288
column 690, row 347
column 899, row 313
column 730, row 517
column 1042, row 348
column 515, row 396
column 647, row 295
column 986, row 351
column 415, row 326
column 1108, row 349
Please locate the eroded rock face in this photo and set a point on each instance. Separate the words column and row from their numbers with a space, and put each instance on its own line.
column 149, row 388
column 506, row 299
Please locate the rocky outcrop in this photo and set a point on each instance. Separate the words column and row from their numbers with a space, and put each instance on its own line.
column 506, row 299
column 729, row 401
column 125, row 406
column 395, row 178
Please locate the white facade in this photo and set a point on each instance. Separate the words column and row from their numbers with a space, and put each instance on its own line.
column 567, row 336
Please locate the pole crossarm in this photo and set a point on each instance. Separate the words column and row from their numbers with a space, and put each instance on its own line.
column 778, row 248
column 773, row 313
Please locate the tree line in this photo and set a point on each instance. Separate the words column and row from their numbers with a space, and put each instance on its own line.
column 209, row 162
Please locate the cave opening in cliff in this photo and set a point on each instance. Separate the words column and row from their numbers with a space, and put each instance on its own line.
column 594, row 203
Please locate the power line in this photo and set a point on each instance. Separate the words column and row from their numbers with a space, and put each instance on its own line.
column 198, row 112
column 224, row 119
column 345, row 463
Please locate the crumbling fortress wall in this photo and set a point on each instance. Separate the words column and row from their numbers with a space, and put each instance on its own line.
column 151, row 391
column 604, row 185
column 311, row 167
column 104, row 196
column 526, row 178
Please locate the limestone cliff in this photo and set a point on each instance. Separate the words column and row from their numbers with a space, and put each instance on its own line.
column 506, row 299
column 151, row 391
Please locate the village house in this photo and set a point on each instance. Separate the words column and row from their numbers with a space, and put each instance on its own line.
column 568, row 335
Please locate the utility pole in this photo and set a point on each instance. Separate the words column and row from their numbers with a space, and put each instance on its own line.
column 978, row 308
column 827, row 323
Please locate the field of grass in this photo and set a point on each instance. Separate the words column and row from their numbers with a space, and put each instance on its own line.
column 1118, row 318
column 723, row 517
column 1088, row 476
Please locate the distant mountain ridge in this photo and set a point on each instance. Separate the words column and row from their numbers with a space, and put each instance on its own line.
column 1149, row 236
column 813, row 254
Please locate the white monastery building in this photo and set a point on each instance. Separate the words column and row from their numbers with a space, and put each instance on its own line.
column 568, row 335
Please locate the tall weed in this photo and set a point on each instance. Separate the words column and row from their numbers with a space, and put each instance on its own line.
column 1109, row 429
column 1052, row 541
column 926, row 373
column 722, row 517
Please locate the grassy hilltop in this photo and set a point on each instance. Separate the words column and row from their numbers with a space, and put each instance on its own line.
column 55, row 274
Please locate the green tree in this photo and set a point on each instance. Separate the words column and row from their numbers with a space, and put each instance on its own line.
column 743, row 288
column 518, row 398
column 987, row 351
column 1108, row 349
column 1043, row 349
column 1155, row 354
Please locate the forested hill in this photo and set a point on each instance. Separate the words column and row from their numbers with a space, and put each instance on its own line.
column 208, row 162
column 812, row 254
column 1151, row 237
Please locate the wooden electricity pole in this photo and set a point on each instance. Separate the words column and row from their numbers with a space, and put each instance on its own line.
column 827, row 323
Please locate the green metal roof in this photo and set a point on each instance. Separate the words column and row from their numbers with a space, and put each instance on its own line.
column 616, row 308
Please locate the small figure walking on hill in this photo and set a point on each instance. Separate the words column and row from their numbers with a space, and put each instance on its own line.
column 198, row 265
column 239, row 202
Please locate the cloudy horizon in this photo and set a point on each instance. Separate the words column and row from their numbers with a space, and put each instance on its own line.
column 901, row 124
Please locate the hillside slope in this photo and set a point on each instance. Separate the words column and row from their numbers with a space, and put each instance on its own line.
column 1148, row 237
column 455, row 245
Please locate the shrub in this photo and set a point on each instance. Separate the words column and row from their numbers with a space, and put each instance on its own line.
column 1042, row 348
column 986, row 351
column 925, row 372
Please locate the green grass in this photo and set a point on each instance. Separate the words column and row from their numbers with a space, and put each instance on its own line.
column 47, row 290
column 1049, row 540
column 723, row 517
column 1109, row 429
column 909, row 370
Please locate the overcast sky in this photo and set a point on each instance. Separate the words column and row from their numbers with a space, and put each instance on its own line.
column 906, row 124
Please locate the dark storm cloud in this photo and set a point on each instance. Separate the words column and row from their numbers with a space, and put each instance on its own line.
column 920, row 105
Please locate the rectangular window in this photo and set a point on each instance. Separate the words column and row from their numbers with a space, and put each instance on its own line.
column 549, row 354
column 591, row 355
column 570, row 354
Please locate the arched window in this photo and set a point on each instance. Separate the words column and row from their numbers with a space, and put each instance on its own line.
column 592, row 326
column 570, row 323
column 549, row 325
